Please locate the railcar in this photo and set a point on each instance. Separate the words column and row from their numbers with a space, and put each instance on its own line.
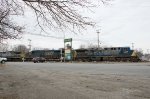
column 49, row 55
column 11, row 55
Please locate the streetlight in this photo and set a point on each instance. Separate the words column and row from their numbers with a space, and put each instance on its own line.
column 132, row 46
column 148, row 51
column 64, row 47
column 98, row 38
column 29, row 44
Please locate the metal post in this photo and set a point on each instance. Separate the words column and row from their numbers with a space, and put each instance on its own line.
column 29, row 44
column 148, row 51
column 98, row 38
column 61, row 55
column 132, row 46
column 71, row 52
column 64, row 48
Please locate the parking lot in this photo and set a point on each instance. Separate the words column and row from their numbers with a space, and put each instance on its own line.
column 27, row 80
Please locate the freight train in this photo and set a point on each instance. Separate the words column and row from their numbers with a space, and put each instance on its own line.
column 85, row 55
column 88, row 55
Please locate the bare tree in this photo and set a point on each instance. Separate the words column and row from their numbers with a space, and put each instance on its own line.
column 4, row 47
column 59, row 13
column 82, row 46
column 88, row 46
column 92, row 46
column 62, row 14
column 8, row 28
column 21, row 48
column 139, row 53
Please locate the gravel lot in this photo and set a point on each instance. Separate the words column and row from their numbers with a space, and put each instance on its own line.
column 74, row 80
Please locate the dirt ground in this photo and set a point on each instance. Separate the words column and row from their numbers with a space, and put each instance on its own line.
column 24, row 83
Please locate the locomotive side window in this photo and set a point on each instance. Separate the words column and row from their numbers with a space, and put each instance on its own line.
column 125, row 49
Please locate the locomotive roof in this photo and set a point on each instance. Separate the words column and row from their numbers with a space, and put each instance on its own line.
column 46, row 50
column 116, row 47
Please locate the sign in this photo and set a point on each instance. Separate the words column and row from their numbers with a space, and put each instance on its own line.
column 68, row 49
column 68, row 40
column 68, row 56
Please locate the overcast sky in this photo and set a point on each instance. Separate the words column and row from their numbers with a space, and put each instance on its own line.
column 121, row 23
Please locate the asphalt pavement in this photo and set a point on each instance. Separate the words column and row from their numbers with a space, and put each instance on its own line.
column 28, row 80
column 105, row 68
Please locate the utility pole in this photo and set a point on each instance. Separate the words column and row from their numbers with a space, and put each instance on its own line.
column 0, row 40
column 148, row 51
column 132, row 46
column 98, row 38
column 61, row 54
column 29, row 44
column 148, row 56
column 64, row 48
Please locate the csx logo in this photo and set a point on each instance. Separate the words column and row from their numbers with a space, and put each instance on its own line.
column 49, row 53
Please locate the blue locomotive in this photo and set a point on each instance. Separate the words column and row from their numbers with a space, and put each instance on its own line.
column 50, row 55
column 106, row 54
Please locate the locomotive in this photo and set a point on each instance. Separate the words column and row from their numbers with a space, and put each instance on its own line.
column 88, row 55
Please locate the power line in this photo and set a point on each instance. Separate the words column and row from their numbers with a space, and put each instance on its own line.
column 47, row 36
column 55, row 37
